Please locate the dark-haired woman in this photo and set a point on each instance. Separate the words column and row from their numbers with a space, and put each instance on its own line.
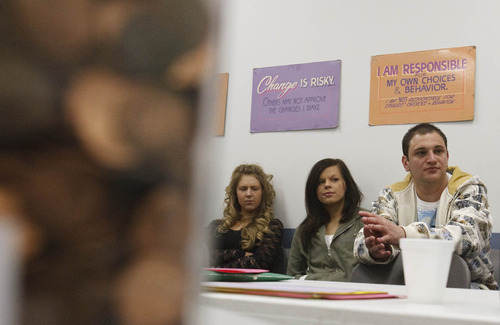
column 322, row 246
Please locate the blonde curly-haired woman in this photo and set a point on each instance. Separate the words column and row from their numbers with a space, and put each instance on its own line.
column 248, row 235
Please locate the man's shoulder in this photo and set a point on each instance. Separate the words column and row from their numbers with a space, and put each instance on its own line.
column 401, row 185
column 460, row 178
column 457, row 174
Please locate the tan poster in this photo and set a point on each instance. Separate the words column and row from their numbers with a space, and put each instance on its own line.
column 425, row 86
column 220, row 113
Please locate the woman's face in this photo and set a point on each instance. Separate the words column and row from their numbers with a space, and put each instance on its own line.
column 331, row 187
column 249, row 194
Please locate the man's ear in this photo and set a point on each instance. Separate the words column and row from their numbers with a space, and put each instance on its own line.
column 404, row 160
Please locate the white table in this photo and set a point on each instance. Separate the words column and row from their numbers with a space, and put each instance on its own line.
column 460, row 306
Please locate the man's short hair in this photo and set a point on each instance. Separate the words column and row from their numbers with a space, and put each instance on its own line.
column 421, row 129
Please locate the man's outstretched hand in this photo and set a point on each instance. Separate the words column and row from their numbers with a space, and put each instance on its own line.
column 380, row 233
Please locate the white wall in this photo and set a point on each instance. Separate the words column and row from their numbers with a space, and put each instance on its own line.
column 261, row 33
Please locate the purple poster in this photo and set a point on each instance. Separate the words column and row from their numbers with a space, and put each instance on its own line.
column 296, row 97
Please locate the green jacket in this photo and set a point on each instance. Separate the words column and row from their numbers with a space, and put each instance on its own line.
column 320, row 262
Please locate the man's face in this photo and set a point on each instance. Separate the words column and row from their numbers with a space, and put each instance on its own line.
column 427, row 159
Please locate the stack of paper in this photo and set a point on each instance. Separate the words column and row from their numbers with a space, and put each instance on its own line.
column 288, row 289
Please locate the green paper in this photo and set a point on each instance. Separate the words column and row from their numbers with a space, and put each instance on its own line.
column 244, row 277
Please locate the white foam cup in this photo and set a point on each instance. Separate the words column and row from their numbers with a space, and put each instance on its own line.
column 426, row 265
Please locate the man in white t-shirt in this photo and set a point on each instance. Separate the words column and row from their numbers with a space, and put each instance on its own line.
column 433, row 201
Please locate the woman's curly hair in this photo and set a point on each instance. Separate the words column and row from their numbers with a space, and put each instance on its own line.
column 253, row 233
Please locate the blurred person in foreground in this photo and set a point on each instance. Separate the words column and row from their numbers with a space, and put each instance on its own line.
column 98, row 106
column 434, row 201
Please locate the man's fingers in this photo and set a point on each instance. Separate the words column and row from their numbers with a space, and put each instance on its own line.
column 379, row 252
column 378, row 228
column 367, row 214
